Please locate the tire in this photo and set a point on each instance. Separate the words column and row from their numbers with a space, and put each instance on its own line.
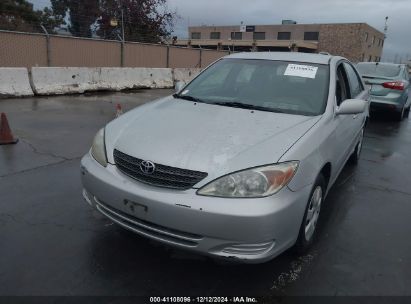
column 355, row 156
column 400, row 115
column 308, row 229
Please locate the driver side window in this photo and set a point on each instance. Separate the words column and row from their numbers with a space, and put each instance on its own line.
column 341, row 91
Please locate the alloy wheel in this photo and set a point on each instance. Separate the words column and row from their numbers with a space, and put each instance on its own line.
column 313, row 213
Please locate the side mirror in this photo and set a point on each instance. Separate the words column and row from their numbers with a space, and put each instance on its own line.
column 179, row 86
column 352, row 106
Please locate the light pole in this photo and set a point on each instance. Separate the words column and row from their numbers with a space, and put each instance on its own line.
column 385, row 35
column 122, row 21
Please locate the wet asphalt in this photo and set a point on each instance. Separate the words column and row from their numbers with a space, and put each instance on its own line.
column 53, row 244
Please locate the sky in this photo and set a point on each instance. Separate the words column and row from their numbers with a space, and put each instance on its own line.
column 255, row 12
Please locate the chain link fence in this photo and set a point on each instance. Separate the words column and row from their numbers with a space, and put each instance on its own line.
column 19, row 49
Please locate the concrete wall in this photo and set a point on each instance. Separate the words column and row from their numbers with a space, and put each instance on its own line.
column 47, row 81
column 72, row 80
column 14, row 82
column 185, row 75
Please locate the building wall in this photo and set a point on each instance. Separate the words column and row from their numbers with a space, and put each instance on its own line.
column 373, row 45
column 350, row 41
column 297, row 31
column 345, row 39
column 342, row 39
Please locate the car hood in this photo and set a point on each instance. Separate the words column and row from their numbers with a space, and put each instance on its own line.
column 203, row 137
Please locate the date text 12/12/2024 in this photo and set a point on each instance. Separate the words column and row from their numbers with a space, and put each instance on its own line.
column 238, row 299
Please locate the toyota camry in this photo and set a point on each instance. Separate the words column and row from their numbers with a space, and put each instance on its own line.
column 237, row 163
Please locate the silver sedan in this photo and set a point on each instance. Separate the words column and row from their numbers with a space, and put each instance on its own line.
column 389, row 87
column 238, row 162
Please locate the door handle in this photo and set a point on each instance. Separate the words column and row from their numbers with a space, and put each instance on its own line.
column 354, row 116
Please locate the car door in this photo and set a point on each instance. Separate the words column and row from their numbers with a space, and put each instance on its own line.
column 356, row 91
column 343, row 129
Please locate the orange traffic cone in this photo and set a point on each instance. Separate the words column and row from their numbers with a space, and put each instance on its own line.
column 6, row 137
column 119, row 110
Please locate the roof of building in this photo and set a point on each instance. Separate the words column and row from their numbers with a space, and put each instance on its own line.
column 284, row 56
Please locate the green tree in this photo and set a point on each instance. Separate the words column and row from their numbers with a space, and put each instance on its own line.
column 19, row 15
column 144, row 20
column 83, row 14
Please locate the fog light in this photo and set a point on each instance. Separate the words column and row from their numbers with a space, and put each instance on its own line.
column 249, row 249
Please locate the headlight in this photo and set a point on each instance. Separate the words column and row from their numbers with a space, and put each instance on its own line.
column 98, row 149
column 254, row 182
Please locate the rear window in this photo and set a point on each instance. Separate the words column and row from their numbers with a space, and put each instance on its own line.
column 385, row 70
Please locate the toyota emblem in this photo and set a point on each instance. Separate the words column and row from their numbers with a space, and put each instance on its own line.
column 147, row 167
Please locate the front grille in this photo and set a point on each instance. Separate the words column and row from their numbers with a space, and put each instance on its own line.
column 163, row 176
column 148, row 229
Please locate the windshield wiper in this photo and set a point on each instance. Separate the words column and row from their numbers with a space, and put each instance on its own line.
column 246, row 106
column 188, row 97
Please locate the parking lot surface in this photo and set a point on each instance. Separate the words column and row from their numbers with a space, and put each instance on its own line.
column 53, row 243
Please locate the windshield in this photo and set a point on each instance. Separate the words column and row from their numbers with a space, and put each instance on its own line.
column 278, row 86
column 384, row 70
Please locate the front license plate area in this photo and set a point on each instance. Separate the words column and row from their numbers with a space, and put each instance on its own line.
column 136, row 209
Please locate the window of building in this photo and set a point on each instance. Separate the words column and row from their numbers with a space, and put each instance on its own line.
column 236, row 35
column 366, row 37
column 284, row 36
column 311, row 35
column 215, row 35
column 370, row 58
column 373, row 40
column 259, row 35
column 195, row 35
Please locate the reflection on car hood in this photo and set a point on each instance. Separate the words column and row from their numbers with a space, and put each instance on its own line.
column 203, row 137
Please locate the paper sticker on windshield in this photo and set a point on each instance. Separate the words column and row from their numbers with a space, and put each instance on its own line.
column 306, row 71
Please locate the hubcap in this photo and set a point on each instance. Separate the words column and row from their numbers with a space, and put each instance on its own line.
column 313, row 212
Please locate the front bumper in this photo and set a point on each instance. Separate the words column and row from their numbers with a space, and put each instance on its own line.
column 252, row 230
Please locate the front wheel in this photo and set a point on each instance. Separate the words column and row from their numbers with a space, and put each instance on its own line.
column 308, row 227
